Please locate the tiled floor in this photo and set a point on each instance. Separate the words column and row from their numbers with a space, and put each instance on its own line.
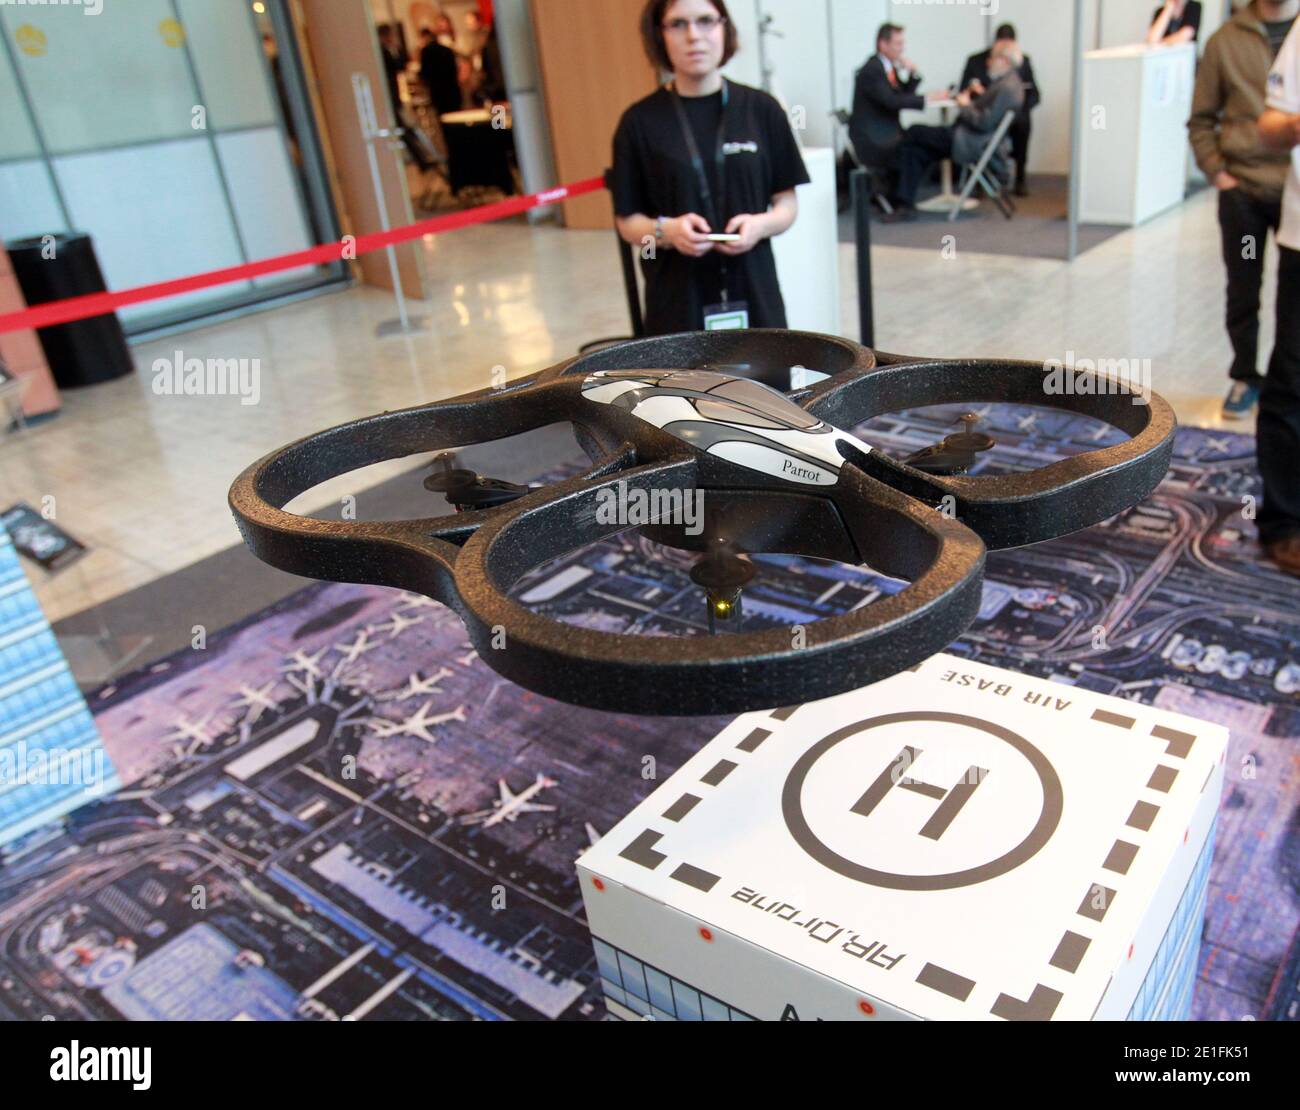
column 142, row 477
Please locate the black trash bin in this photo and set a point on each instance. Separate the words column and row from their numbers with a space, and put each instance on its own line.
column 84, row 352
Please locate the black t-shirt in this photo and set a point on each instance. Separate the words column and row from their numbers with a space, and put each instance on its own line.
column 1191, row 17
column 654, row 176
column 704, row 113
column 1277, row 33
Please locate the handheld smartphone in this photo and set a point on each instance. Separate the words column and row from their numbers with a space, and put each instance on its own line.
column 722, row 237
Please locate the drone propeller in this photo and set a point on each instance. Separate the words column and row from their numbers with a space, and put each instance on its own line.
column 956, row 453
column 465, row 489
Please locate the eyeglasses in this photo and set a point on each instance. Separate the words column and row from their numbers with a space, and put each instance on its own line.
column 705, row 24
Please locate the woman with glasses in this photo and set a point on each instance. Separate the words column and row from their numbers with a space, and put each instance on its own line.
column 705, row 172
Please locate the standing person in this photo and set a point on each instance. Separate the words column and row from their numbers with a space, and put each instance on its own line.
column 1279, row 402
column 886, row 85
column 390, row 44
column 1175, row 22
column 700, row 158
column 438, row 71
column 1250, row 177
column 975, row 79
column 492, row 74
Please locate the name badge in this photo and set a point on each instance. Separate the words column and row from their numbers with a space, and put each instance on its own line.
column 728, row 316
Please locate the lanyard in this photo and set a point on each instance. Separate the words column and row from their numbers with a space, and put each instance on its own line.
column 715, row 214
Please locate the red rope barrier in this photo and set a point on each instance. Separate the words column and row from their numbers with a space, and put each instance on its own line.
column 97, row 304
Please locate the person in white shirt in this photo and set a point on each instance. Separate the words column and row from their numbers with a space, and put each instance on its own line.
column 1279, row 404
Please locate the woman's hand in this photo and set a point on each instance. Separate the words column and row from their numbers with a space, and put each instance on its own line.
column 752, row 230
column 687, row 235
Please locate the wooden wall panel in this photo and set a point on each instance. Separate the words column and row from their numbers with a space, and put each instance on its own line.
column 341, row 38
column 593, row 67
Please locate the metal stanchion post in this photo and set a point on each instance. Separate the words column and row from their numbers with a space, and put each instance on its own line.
column 861, row 192
column 372, row 133
column 767, row 29
column 1076, row 131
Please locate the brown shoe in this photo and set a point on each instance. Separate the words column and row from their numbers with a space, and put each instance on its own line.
column 1286, row 554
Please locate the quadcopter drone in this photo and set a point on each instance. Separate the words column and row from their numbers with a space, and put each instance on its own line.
column 777, row 473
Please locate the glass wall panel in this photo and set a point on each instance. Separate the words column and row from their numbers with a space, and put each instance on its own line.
column 155, row 212
column 97, row 134
column 265, row 198
column 233, row 72
column 17, row 138
column 118, row 77
column 28, row 205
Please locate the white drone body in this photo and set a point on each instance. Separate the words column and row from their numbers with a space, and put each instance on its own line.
column 743, row 421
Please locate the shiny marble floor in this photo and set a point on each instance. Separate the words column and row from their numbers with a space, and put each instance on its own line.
column 142, row 478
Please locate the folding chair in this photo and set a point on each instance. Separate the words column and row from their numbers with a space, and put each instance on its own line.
column 843, row 117
column 979, row 174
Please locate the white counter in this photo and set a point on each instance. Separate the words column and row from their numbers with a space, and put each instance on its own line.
column 1133, row 155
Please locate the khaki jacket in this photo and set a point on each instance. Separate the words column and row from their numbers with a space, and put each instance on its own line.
column 1230, row 91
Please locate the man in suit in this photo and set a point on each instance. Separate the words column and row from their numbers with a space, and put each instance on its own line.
column 923, row 147
column 975, row 78
column 886, row 86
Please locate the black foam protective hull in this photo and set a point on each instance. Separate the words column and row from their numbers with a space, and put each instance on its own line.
column 931, row 531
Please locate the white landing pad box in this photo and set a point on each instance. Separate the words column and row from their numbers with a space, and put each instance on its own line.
column 956, row 842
